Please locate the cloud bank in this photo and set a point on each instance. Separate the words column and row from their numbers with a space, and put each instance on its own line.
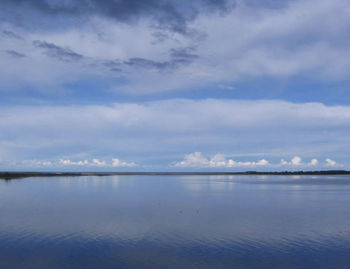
column 198, row 160
column 95, row 163
column 158, row 133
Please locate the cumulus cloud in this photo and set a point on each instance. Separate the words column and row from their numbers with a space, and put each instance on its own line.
column 296, row 160
column 193, row 160
column 69, row 162
column 330, row 162
column 197, row 159
column 95, row 162
column 313, row 162
column 118, row 163
column 262, row 162
column 37, row 163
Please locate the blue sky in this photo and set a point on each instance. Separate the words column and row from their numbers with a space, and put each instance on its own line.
column 174, row 85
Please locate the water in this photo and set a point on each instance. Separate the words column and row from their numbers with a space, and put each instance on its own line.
column 175, row 222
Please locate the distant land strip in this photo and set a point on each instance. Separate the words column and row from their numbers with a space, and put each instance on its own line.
column 14, row 175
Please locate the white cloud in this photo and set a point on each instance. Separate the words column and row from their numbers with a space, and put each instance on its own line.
column 283, row 162
column 95, row 162
column 330, row 162
column 232, row 163
column 256, row 42
column 197, row 159
column 192, row 160
column 296, row 160
column 36, row 163
column 313, row 162
column 118, row 163
column 69, row 162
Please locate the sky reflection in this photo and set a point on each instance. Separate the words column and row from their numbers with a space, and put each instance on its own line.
column 166, row 212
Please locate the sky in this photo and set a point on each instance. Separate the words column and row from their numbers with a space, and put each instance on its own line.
column 164, row 85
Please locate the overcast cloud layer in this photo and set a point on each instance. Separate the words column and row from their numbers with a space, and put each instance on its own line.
column 144, row 47
column 173, row 85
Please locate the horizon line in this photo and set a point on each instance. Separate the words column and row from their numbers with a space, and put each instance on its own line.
column 25, row 174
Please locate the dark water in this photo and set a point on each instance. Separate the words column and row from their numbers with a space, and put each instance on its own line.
column 175, row 222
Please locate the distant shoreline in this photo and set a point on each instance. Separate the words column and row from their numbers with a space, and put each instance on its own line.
column 14, row 175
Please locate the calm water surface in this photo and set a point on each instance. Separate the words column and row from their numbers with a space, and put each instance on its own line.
column 175, row 222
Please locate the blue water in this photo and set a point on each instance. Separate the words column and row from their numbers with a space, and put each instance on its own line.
column 175, row 222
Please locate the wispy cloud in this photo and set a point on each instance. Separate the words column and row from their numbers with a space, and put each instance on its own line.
column 15, row 54
column 10, row 34
column 54, row 51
